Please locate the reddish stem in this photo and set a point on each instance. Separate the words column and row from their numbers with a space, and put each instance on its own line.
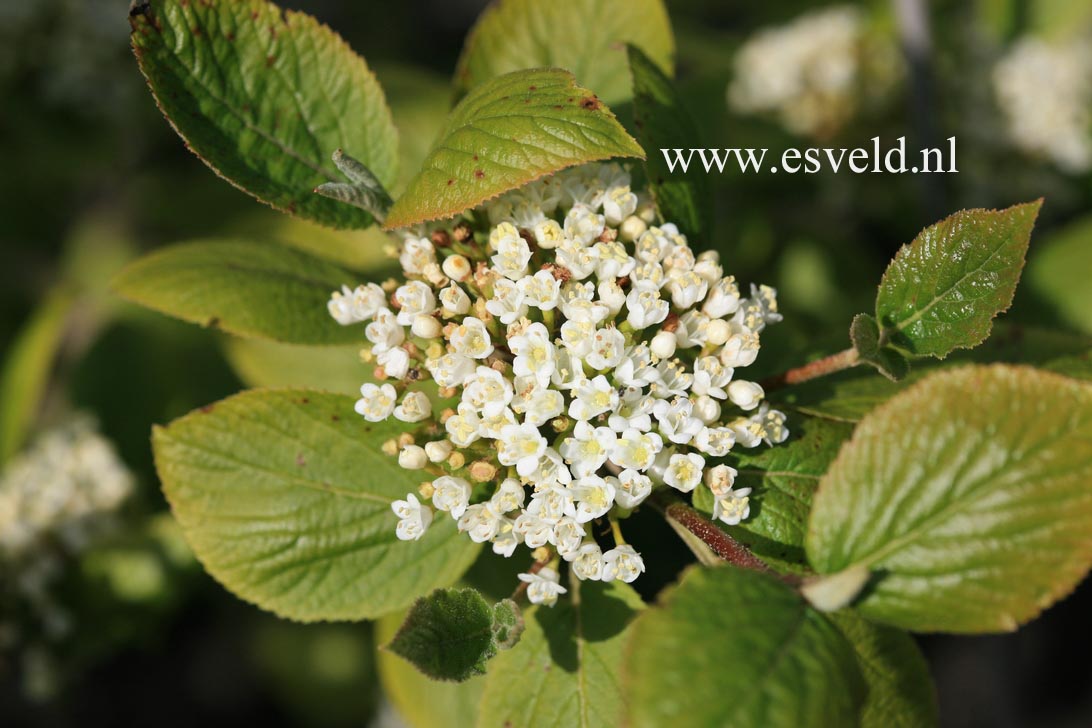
column 720, row 542
column 818, row 368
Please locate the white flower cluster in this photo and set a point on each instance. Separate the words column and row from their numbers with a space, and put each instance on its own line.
column 594, row 358
column 808, row 73
column 60, row 488
column 1045, row 95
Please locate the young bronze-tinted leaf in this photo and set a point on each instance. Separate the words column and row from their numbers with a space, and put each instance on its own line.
column 245, row 288
column 507, row 132
column 942, row 291
column 683, row 198
column 566, row 669
column 730, row 647
column 446, row 704
column 967, row 496
column 264, row 97
column 900, row 689
column 451, row 633
column 782, row 480
column 286, row 500
column 849, row 395
column 587, row 37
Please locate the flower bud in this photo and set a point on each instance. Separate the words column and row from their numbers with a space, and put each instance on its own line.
column 434, row 275
column 663, row 345
column 405, row 439
column 390, row 447
column 412, row 457
column 438, row 451
column 718, row 331
column 632, row 228
column 706, row 409
column 457, row 267
column 425, row 489
column 426, row 327
column 482, row 471
column 456, row 460
column 745, row 395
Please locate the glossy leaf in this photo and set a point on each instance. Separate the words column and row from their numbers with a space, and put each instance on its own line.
column 729, row 647
column 507, row 132
column 900, row 689
column 566, row 669
column 587, row 37
column 285, row 499
column 264, row 96
column 864, row 333
column 452, row 633
column 245, row 288
column 967, row 496
column 942, row 291
column 262, row 363
column 683, row 198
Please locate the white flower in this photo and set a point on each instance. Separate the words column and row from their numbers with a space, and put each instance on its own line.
column 507, row 538
column 543, row 405
column 723, row 298
column 684, row 472
column 480, row 522
column 663, row 345
column 522, row 446
column 416, row 254
column 551, row 470
column 607, row 348
column 587, row 562
column 733, row 507
column 612, row 260
column 541, row 290
column 745, row 395
column 534, row 530
column 457, row 267
column 507, row 301
column 720, row 479
column 551, row 503
column 451, row 494
column 583, row 225
column 635, row 368
column 618, row 204
column 463, row 427
column 353, row 306
column 471, row 338
column 676, row 420
column 580, row 261
column 633, row 411
column 513, row 255
column 710, row 377
column 578, row 336
column 686, row 288
column 622, row 563
column 454, row 300
column 509, row 496
column 772, row 422
column 503, row 234
column 426, row 326
column 740, row 350
column 693, row 329
column 494, row 418
column 415, row 407
column 674, row 380
column 632, row 488
column 588, row 448
column 648, row 277
column 413, row 518
column 594, row 496
column 567, row 537
column 487, row 387
column 543, row 587
column 534, row 354
column 451, row 370
column 706, row 409
column 438, row 451
column 569, row 371
column 645, row 308
column 413, row 298
column 636, row 450
column 748, row 432
column 395, row 362
column 715, row 441
column 376, row 401
column 653, row 245
column 548, row 234
column 592, row 397
column 612, row 296
column 384, row 331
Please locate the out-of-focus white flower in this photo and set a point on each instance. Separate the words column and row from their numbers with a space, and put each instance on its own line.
column 413, row 518
column 543, row 587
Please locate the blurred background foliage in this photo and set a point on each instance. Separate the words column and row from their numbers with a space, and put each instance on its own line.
column 92, row 177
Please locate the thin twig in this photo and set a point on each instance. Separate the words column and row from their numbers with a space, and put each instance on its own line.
column 813, row 370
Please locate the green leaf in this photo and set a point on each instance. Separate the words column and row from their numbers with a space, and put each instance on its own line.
column 451, row 633
column 27, row 365
column 264, row 96
column 683, row 198
column 245, row 288
column 849, row 395
column 285, row 499
column 782, row 479
column 967, row 496
column 420, row 701
column 942, row 291
column 587, row 37
column 565, row 671
column 900, row 689
column 262, row 363
column 1058, row 273
column 507, row 132
column 729, row 647
column 865, row 335
column 363, row 189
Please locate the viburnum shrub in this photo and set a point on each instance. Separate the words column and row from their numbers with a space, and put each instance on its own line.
column 560, row 349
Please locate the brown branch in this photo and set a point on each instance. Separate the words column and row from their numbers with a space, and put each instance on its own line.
column 818, row 368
